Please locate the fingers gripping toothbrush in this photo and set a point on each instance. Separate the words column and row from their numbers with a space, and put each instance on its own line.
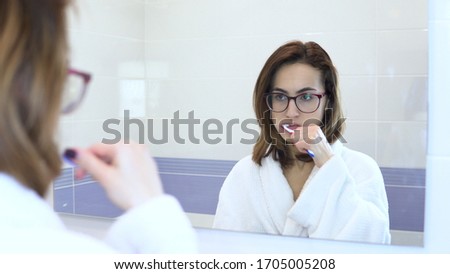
column 286, row 127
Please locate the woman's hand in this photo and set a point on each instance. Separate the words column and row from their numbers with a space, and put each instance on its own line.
column 312, row 138
column 126, row 171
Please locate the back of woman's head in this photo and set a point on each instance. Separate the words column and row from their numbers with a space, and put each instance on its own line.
column 33, row 67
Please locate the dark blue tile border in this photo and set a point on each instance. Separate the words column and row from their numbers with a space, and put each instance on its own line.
column 194, row 166
column 202, row 180
column 63, row 197
column 91, row 200
column 406, row 208
column 203, row 191
column 403, row 176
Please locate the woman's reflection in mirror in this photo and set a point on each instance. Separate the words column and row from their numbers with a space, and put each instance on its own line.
column 301, row 180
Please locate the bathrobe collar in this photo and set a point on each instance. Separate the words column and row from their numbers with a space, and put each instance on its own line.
column 277, row 192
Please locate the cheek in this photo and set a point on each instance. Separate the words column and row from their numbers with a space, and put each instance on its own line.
column 276, row 118
column 319, row 114
column 315, row 118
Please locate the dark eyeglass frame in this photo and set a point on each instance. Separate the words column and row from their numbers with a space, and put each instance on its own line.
column 267, row 97
column 86, row 78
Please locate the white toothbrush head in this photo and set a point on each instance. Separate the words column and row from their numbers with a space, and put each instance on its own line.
column 286, row 127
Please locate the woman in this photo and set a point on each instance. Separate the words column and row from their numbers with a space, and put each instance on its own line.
column 301, row 180
column 33, row 71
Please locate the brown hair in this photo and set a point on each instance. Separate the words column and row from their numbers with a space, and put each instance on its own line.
column 332, row 123
column 33, row 68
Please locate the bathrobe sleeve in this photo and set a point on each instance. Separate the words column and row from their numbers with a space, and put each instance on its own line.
column 157, row 226
column 345, row 200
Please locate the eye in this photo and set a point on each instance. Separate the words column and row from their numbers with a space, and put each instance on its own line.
column 279, row 97
column 305, row 97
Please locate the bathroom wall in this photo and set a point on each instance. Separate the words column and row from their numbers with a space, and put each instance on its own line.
column 214, row 50
column 107, row 39
column 162, row 58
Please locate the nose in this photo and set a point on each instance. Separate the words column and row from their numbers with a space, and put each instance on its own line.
column 292, row 110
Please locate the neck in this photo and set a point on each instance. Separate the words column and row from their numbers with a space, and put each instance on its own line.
column 300, row 161
column 297, row 156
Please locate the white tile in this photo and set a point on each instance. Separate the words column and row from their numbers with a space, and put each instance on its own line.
column 216, row 18
column 184, row 140
column 227, row 102
column 353, row 53
column 401, row 14
column 94, row 106
column 402, row 52
column 210, row 58
column 296, row 17
column 208, row 98
column 220, row 151
column 82, row 133
column 198, row 19
column 358, row 96
column 107, row 56
column 402, row 144
column 402, row 98
column 361, row 136
column 112, row 17
column 132, row 97
column 244, row 57
column 64, row 135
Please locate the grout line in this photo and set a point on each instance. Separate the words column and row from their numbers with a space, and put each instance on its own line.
column 287, row 35
column 403, row 186
column 102, row 34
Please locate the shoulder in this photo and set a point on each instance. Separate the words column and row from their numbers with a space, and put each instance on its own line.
column 352, row 155
column 360, row 163
column 245, row 163
column 244, row 167
column 244, row 172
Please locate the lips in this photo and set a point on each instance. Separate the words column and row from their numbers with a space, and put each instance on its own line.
column 289, row 126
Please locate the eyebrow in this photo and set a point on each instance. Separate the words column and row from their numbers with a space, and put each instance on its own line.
column 297, row 92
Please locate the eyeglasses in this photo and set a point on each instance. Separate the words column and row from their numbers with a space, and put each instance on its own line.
column 74, row 90
column 306, row 102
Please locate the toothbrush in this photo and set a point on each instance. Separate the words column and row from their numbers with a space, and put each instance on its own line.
column 285, row 126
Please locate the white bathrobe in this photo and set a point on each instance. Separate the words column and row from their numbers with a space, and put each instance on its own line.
column 29, row 225
column 345, row 199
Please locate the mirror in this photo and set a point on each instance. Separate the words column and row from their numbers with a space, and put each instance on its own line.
column 180, row 75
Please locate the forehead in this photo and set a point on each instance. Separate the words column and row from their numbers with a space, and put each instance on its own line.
column 293, row 77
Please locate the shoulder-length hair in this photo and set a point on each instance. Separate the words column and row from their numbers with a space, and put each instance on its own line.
column 33, row 68
column 270, row 142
